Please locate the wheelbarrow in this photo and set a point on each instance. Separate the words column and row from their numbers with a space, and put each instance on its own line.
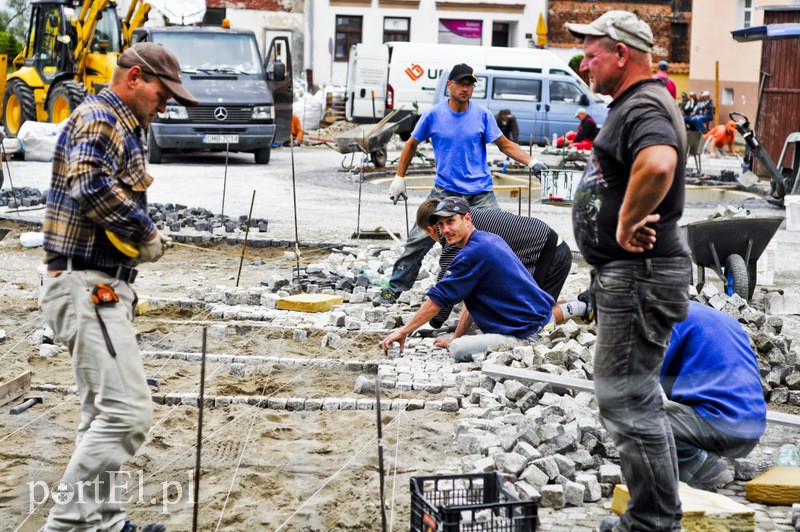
column 731, row 247
column 369, row 138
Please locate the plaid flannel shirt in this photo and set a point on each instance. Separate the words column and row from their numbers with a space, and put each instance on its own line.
column 98, row 184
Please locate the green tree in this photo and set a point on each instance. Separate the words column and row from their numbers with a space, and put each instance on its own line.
column 18, row 12
column 575, row 65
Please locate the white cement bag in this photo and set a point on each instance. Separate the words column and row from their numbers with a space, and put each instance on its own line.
column 38, row 140
column 309, row 110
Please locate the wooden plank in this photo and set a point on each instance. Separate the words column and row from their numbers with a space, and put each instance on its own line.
column 702, row 510
column 15, row 388
column 778, row 485
column 309, row 302
column 527, row 376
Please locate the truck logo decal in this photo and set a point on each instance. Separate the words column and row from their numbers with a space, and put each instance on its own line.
column 220, row 113
column 415, row 72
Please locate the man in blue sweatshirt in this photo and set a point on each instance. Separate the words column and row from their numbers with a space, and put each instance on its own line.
column 499, row 294
column 715, row 402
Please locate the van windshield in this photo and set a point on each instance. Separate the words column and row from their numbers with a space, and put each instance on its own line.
column 583, row 84
column 213, row 52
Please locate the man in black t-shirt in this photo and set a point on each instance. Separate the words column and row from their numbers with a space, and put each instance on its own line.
column 625, row 217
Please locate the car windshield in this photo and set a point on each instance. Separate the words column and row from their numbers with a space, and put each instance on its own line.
column 213, row 52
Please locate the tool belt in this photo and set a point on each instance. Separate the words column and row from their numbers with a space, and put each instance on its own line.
column 123, row 273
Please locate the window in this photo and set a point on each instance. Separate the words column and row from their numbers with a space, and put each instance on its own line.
column 348, row 33
column 501, row 34
column 526, row 90
column 479, row 92
column 727, row 96
column 564, row 92
column 396, row 29
column 746, row 13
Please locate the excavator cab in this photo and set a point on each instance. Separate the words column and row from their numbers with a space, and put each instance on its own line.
column 70, row 51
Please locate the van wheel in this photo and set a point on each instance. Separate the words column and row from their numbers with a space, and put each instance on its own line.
column 154, row 151
column 262, row 155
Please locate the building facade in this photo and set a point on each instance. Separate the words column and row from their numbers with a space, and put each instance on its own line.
column 333, row 26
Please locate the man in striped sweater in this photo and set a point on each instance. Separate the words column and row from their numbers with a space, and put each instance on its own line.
column 546, row 257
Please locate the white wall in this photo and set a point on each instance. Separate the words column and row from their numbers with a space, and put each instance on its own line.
column 321, row 27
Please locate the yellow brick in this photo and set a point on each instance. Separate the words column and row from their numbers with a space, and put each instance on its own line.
column 703, row 511
column 779, row 485
column 309, row 302
column 143, row 307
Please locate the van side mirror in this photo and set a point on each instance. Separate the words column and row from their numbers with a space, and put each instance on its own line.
column 583, row 100
column 276, row 71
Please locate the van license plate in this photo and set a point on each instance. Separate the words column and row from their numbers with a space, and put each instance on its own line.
column 220, row 139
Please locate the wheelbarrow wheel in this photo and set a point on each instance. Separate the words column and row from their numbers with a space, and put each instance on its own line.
column 378, row 158
column 736, row 277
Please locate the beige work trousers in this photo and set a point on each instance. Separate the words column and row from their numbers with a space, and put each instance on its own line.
column 116, row 407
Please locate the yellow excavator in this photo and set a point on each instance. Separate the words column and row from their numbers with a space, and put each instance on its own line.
column 71, row 49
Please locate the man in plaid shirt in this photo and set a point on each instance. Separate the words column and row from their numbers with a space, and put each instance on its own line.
column 99, row 184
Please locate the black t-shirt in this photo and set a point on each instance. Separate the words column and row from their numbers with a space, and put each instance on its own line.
column 644, row 115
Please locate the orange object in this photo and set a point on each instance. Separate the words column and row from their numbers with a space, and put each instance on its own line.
column 722, row 135
column 297, row 129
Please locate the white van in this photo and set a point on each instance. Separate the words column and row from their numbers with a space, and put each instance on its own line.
column 544, row 104
column 404, row 75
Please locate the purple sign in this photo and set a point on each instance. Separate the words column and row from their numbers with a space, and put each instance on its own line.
column 469, row 29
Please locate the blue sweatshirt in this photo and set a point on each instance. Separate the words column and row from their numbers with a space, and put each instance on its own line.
column 709, row 366
column 499, row 292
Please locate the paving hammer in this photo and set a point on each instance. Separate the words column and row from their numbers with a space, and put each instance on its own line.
column 26, row 404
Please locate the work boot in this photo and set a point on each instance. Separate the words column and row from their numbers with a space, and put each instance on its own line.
column 713, row 474
column 608, row 523
column 152, row 527
column 387, row 297
column 588, row 315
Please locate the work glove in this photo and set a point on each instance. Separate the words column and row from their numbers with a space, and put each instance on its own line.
column 537, row 166
column 397, row 190
column 153, row 249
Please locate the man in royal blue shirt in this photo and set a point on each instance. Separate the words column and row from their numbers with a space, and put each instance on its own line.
column 459, row 131
column 715, row 402
column 499, row 294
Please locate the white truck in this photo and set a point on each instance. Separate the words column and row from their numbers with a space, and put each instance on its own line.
column 403, row 75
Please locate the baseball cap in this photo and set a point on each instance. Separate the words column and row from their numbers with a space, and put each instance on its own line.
column 581, row 111
column 450, row 206
column 705, row 93
column 157, row 61
column 663, row 65
column 621, row 26
column 461, row 71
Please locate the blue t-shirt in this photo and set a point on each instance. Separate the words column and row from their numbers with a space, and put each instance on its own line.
column 709, row 366
column 499, row 293
column 459, row 146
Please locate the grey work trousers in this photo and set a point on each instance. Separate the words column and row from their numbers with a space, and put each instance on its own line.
column 116, row 408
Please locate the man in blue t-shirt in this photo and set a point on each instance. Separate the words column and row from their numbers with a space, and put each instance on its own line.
column 459, row 131
column 499, row 294
column 715, row 402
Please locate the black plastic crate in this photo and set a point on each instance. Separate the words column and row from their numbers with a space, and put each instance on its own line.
column 455, row 503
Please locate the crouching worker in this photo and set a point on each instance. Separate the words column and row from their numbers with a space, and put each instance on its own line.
column 715, row 402
column 543, row 253
column 498, row 292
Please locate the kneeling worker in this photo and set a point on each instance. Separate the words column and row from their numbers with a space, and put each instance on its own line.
column 498, row 292
column 715, row 402
column 543, row 253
